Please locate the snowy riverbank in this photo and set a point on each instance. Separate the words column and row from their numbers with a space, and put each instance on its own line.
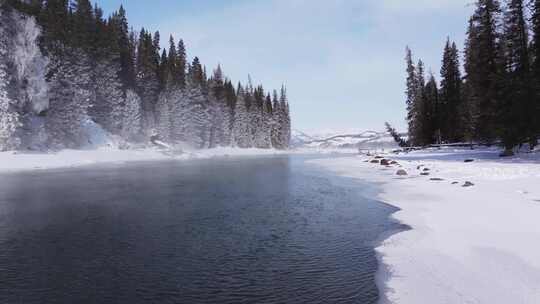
column 18, row 161
column 475, row 244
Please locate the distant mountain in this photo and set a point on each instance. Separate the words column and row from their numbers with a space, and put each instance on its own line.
column 362, row 140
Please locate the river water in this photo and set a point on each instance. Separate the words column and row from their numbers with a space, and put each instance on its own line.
column 231, row 230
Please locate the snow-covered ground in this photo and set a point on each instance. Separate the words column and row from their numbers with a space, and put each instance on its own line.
column 17, row 161
column 478, row 244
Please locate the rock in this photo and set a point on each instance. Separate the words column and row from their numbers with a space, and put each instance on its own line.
column 469, row 160
column 419, row 167
column 375, row 161
column 379, row 157
column 507, row 153
column 436, row 179
column 394, row 162
column 402, row 172
column 385, row 162
column 366, row 161
column 424, row 173
column 455, row 183
column 427, row 169
column 468, row 184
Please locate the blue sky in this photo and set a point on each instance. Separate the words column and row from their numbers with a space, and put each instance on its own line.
column 342, row 60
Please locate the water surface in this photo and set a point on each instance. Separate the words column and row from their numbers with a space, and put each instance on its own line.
column 250, row 230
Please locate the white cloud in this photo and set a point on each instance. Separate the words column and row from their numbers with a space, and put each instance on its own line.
column 342, row 60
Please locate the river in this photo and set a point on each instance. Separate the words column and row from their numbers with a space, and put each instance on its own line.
column 228, row 230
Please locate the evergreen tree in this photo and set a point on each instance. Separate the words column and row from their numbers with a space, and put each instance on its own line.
column 535, row 54
column 54, row 18
column 448, row 120
column 484, row 79
column 126, row 48
column 516, row 113
column 411, row 90
column 70, row 93
column 147, row 77
column 181, row 64
column 132, row 124
column 429, row 112
column 83, row 32
column 9, row 118
column 241, row 132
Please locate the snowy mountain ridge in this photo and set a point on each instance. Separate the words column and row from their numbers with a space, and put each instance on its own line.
column 343, row 140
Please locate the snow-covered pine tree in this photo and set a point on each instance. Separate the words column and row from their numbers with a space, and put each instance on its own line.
column 132, row 118
column 27, row 76
column 9, row 118
column 69, row 98
column 241, row 132
column 284, row 138
column 276, row 122
column 257, row 121
column 107, row 109
column 163, row 117
column 288, row 125
column 147, row 77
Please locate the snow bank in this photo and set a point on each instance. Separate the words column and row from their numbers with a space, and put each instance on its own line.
column 17, row 161
column 474, row 244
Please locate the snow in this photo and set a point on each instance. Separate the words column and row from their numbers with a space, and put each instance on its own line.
column 342, row 140
column 466, row 244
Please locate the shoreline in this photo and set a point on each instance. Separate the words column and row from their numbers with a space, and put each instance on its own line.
column 466, row 244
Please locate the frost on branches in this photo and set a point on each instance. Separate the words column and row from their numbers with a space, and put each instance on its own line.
column 73, row 70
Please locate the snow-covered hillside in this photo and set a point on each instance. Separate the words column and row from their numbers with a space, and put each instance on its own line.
column 368, row 140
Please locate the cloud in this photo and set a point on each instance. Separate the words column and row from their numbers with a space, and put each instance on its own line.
column 342, row 60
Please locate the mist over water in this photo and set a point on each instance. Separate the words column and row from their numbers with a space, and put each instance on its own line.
column 252, row 230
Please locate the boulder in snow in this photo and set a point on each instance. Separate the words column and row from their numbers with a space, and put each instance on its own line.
column 401, row 172
column 385, row 162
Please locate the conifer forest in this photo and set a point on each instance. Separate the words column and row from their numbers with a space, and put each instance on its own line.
column 65, row 68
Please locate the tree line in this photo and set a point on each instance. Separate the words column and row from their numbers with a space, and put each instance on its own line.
column 97, row 68
column 494, row 97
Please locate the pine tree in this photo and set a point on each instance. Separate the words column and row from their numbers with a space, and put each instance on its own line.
column 126, row 47
column 484, row 79
column 54, row 18
column 428, row 112
column 147, row 77
column 411, row 91
column 132, row 117
column 181, row 64
column 535, row 54
column 241, row 132
column 448, row 110
column 84, row 23
column 276, row 133
column 164, row 120
column 416, row 123
column 516, row 111
column 70, row 93
column 9, row 118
